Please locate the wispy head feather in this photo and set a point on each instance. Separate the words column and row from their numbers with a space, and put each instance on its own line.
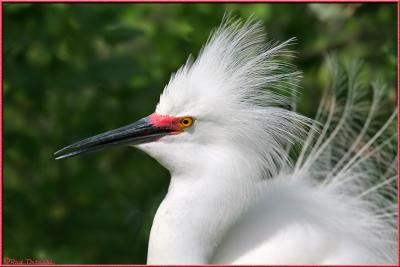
column 240, row 83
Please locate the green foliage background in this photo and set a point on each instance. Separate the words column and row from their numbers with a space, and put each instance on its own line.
column 74, row 70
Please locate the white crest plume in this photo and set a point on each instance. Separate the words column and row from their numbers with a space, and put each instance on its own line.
column 241, row 83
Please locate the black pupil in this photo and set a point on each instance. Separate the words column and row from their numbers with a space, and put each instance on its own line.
column 185, row 121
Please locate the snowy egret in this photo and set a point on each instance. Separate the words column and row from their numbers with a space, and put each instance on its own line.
column 237, row 194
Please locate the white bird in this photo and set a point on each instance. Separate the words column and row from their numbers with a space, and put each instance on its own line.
column 237, row 194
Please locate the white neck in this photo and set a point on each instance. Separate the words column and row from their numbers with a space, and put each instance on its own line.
column 201, row 205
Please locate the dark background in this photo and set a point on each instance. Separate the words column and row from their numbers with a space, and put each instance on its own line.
column 74, row 70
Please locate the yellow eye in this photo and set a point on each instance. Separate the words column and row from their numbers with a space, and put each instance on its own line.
column 186, row 122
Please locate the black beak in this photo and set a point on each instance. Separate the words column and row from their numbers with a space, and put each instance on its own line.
column 142, row 131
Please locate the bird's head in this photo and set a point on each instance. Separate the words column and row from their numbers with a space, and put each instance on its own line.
column 226, row 100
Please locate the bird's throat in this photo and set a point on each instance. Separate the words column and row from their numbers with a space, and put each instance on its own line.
column 195, row 215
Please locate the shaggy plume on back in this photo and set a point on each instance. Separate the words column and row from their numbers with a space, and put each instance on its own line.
column 354, row 158
column 241, row 84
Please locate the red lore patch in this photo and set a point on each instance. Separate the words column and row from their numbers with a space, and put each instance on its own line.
column 165, row 121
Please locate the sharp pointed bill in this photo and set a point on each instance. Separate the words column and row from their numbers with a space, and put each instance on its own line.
column 148, row 129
